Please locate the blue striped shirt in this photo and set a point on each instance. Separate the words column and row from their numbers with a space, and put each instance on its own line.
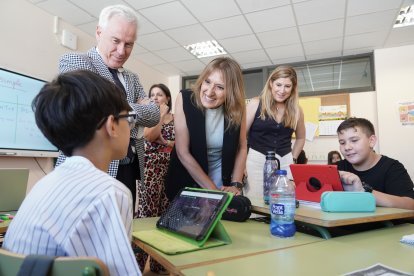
column 76, row 210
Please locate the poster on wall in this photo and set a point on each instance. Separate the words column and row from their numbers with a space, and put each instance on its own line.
column 406, row 111
column 330, row 116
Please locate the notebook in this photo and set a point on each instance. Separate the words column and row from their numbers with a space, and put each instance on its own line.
column 312, row 180
column 191, row 222
column 13, row 185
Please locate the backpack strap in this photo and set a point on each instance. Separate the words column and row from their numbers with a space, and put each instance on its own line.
column 38, row 265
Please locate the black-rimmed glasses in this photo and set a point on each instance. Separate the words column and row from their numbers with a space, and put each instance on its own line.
column 131, row 118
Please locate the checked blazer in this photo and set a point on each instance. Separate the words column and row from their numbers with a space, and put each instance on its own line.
column 147, row 115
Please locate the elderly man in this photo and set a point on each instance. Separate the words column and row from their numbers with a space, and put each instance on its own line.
column 115, row 35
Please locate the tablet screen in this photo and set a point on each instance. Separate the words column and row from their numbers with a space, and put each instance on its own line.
column 192, row 212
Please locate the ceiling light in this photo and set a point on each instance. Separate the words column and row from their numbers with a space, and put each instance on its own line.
column 206, row 49
column 405, row 17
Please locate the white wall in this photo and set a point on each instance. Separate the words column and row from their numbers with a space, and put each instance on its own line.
column 361, row 105
column 394, row 69
column 394, row 73
column 28, row 46
column 174, row 84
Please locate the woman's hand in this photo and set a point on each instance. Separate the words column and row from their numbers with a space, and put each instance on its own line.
column 231, row 189
column 163, row 111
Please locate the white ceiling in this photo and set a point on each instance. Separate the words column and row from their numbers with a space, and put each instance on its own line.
column 254, row 32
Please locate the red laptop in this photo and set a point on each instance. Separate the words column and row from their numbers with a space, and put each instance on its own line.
column 312, row 180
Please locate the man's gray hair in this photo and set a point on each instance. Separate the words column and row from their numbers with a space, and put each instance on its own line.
column 108, row 12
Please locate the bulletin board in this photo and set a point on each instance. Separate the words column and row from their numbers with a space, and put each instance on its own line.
column 324, row 113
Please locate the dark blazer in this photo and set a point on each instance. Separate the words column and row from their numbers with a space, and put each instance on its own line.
column 147, row 115
column 177, row 176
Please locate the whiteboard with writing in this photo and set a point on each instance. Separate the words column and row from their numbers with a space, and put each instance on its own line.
column 19, row 134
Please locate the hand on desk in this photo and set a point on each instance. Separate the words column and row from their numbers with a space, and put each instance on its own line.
column 231, row 189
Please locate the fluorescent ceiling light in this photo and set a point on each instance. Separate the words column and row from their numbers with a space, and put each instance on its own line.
column 206, row 49
column 405, row 17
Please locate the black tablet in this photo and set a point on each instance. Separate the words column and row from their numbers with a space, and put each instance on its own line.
column 194, row 212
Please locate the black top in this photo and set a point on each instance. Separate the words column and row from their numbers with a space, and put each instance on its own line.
column 177, row 176
column 388, row 176
column 268, row 135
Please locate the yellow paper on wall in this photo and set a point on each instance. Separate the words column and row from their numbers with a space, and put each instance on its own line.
column 310, row 107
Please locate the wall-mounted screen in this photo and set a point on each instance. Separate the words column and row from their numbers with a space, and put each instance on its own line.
column 19, row 135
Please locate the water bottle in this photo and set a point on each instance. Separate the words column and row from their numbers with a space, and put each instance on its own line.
column 270, row 167
column 282, row 206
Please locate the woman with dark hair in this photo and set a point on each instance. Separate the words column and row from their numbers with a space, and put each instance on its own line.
column 159, row 141
column 333, row 157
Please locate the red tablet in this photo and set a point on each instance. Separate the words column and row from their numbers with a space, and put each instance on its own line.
column 312, row 180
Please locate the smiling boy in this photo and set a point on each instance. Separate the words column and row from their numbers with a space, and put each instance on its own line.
column 365, row 170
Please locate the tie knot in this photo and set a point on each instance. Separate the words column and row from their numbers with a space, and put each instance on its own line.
column 113, row 71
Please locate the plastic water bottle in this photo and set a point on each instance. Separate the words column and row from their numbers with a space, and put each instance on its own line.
column 269, row 168
column 282, row 206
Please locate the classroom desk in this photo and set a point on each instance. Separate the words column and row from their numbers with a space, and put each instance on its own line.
column 320, row 220
column 336, row 256
column 248, row 238
column 5, row 224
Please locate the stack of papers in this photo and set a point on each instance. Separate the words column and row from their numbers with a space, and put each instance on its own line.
column 409, row 239
column 312, row 204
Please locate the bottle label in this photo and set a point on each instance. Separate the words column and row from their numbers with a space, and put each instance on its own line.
column 278, row 209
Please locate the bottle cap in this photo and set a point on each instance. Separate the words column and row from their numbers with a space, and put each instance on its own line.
column 281, row 172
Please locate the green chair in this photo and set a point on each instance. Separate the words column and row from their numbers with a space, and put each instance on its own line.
column 62, row 266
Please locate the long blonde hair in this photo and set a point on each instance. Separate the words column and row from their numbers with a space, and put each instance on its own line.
column 291, row 114
column 234, row 102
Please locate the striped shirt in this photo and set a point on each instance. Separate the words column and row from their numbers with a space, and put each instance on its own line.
column 76, row 210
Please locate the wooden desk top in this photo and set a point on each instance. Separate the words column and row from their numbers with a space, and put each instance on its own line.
column 248, row 238
column 336, row 256
column 316, row 216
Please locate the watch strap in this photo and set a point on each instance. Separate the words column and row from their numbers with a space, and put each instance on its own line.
column 237, row 184
column 368, row 188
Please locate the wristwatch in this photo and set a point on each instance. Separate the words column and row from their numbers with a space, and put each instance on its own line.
column 367, row 187
column 237, row 184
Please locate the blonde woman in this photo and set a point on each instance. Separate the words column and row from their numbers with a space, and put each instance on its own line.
column 272, row 118
column 210, row 132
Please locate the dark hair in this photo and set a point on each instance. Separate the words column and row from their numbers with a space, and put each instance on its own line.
column 69, row 109
column 353, row 122
column 166, row 91
column 302, row 159
column 330, row 156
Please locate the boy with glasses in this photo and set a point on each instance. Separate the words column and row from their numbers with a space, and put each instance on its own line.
column 78, row 209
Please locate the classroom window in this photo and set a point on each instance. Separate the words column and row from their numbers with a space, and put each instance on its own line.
column 327, row 76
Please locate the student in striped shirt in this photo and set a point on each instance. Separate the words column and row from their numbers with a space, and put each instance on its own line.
column 78, row 209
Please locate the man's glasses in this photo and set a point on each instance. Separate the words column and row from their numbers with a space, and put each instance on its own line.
column 131, row 118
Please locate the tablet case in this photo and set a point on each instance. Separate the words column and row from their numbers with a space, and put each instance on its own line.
column 311, row 180
column 347, row 202
column 171, row 243
column 174, row 243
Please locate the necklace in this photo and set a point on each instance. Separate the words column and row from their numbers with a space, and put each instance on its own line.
column 278, row 108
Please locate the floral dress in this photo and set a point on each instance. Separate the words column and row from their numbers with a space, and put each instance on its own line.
column 152, row 200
